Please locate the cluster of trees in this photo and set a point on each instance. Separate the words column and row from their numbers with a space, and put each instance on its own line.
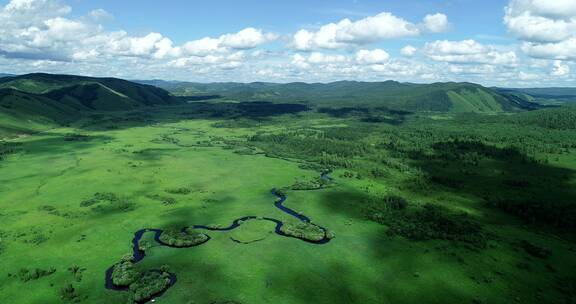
column 555, row 213
column 366, row 114
column 76, row 272
column 165, row 200
column 505, row 178
column 378, row 207
column 314, row 184
column 148, row 285
column 142, row 285
column 304, row 230
column 473, row 150
column 124, row 273
column 123, row 205
column 26, row 274
column 334, row 161
column 100, row 197
column 115, row 202
column 69, row 293
column 331, row 151
column 563, row 118
column 501, row 131
column 429, row 222
column 181, row 239
column 394, row 147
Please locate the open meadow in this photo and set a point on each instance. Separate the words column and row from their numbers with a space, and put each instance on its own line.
column 407, row 225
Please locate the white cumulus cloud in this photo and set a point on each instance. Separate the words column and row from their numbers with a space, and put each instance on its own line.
column 564, row 50
column 548, row 27
column 246, row 39
column 468, row 51
column 45, row 35
column 43, row 30
column 437, row 23
column 371, row 29
column 317, row 58
column 376, row 56
column 408, row 51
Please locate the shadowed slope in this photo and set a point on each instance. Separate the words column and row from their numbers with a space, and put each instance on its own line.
column 36, row 102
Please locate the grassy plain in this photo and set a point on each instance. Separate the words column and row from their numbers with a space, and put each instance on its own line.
column 230, row 173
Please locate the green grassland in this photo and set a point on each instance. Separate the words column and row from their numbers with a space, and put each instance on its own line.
column 501, row 228
column 441, row 193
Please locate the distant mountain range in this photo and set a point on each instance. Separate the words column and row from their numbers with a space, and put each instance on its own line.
column 436, row 97
column 547, row 96
column 35, row 102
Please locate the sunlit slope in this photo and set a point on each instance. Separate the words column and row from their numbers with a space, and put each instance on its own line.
column 478, row 101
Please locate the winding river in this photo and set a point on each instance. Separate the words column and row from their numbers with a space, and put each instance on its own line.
column 138, row 254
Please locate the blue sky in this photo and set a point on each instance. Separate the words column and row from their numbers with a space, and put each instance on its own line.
column 493, row 42
column 183, row 20
column 190, row 19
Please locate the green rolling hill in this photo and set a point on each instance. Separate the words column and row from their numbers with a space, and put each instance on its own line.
column 436, row 97
column 36, row 102
column 546, row 96
column 59, row 85
column 22, row 113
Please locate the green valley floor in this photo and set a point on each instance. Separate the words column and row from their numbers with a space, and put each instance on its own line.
column 72, row 198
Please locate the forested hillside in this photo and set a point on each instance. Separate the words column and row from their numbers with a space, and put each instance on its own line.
column 35, row 102
column 547, row 96
column 436, row 97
